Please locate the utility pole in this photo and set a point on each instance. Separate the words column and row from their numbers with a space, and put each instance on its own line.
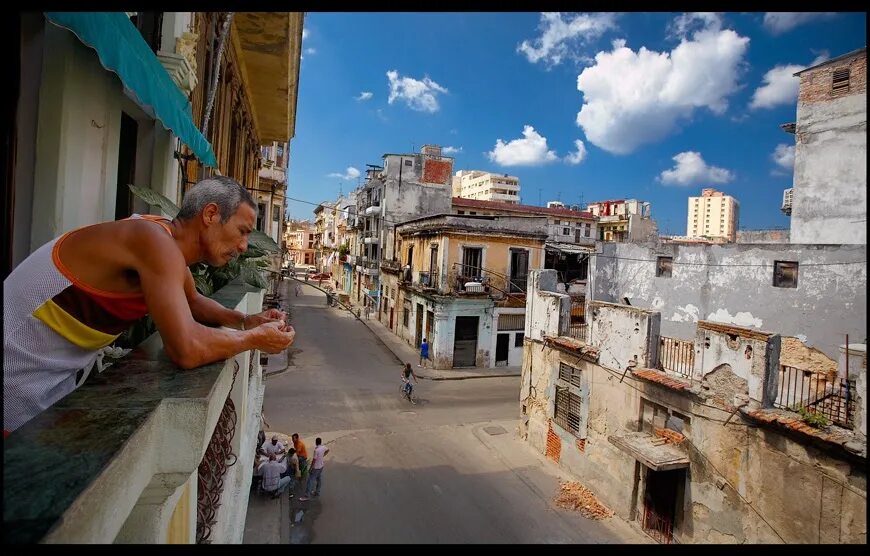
column 540, row 204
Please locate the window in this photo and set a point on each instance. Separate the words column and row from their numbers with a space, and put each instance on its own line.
column 405, row 316
column 566, row 231
column 569, row 401
column 587, row 231
column 785, row 274
column 471, row 261
column 507, row 321
column 408, row 163
column 276, row 213
column 461, row 212
column 518, row 339
column 664, row 265
column 840, row 80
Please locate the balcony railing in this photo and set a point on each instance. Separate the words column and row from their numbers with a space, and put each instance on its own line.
column 129, row 439
column 676, row 356
column 832, row 397
column 578, row 328
column 428, row 280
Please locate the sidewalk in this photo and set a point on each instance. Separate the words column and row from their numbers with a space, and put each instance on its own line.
column 404, row 353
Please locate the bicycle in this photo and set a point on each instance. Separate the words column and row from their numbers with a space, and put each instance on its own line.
column 406, row 391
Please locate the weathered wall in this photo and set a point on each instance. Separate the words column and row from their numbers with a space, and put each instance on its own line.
column 830, row 170
column 515, row 353
column 734, row 285
column 763, row 236
column 630, row 334
column 548, row 313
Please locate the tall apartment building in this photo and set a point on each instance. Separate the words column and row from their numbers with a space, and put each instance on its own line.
column 713, row 215
column 622, row 220
column 486, row 186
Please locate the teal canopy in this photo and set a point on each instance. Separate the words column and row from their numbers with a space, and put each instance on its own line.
column 122, row 50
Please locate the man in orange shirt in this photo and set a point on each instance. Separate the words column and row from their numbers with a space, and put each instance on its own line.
column 301, row 451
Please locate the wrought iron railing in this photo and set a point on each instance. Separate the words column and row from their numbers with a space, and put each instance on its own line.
column 578, row 328
column 676, row 356
column 218, row 458
column 832, row 397
column 659, row 527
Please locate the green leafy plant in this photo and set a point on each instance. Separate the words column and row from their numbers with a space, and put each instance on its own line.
column 813, row 418
column 343, row 250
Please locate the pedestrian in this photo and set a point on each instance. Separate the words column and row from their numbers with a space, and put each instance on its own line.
column 274, row 448
column 424, row 353
column 271, row 471
column 301, row 451
column 316, row 475
column 298, row 290
column 64, row 307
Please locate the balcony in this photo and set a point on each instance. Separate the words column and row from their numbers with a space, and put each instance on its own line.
column 504, row 198
column 373, row 209
column 391, row 266
column 371, row 237
column 147, row 452
column 427, row 280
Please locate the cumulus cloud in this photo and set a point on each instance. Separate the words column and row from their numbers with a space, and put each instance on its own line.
column 418, row 95
column 561, row 35
column 685, row 23
column 310, row 51
column 577, row 156
column 365, row 95
column 780, row 22
column 451, row 150
column 350, row 174
column 780, row 85
column 635, row 98
column 783, row 155
column 690, row 169
column 531, row 150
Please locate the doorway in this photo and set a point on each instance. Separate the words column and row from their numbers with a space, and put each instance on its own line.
column 502, row 349
column 465, row 342
column 660, row 503
column 419, row 336
column 519, row 270
column 126, row 166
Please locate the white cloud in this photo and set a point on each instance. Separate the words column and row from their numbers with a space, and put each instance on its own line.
column 634, row 98
column 780, row 85
column 310, row 51
column 452, row 150
column 692, row 170
column 780, row 22
column 558, row 35
column 453, row 131
column 304, row 34
column 579, row 156
column 529, row 151
column 684, row 23
column 350, row 174
column 365, row 95
column 418, row 95
column 783, row 155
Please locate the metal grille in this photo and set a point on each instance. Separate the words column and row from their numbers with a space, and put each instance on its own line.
column 658, row 527
column 578, row 328
column 677, row 356
column 832, row 397
column 511, row 322
column 569, row 374
column 567, row 414
column 218, row 458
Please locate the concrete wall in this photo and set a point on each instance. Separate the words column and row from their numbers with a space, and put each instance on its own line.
column 630, row 334
column 548, row 312
column 515, row 353
column 744, row 484
column 830, row 170
column 763, row 236
column 828, row 303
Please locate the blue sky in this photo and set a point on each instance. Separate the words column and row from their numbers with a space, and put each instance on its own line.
column 665, row 103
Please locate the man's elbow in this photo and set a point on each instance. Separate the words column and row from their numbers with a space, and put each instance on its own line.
column 184, row 357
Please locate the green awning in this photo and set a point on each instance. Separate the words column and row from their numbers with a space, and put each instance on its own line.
column 122, row 50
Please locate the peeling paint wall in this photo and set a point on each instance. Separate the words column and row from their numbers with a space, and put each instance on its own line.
column 629, row 334
column 736, row 287
column 744, row 484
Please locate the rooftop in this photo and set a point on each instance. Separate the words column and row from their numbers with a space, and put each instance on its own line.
column 528, row 209
column 835, row 60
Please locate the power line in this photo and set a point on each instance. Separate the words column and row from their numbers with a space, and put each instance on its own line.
column 614, row 257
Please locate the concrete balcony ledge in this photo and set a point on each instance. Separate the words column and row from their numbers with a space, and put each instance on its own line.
column 109, row 462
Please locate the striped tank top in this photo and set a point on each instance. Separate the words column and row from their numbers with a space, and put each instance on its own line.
column 55, row 325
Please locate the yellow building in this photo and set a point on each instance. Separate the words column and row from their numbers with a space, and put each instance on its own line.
column 460, row 282
column 713, row 215
column 486, row 186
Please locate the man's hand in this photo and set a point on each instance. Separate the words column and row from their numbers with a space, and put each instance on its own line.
column 269, row 315
column 273, row 336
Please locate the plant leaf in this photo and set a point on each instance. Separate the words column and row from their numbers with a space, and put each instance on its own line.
column 252, row 276
column 156, row 199
column 263, row 242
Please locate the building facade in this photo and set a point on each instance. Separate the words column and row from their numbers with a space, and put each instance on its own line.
column 831, row 132
column 713, row 215
column 486, row 186
column 623, row 220
column 271, row 190
column 461, row 283
column 300, row 243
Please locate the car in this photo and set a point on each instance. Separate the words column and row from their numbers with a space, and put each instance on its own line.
column 312, row 270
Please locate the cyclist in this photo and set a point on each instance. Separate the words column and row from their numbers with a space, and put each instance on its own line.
column 407, row 387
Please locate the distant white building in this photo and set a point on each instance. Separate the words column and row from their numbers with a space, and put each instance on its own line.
column 486, row 186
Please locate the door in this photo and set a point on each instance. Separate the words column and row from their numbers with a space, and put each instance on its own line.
column 465, row 342
column 126, row 166
column 471, row 262
column 430, row 329
column 502, row 348
column 660, row 503
column 419, row 337
column 519, row 270
column 392, row 310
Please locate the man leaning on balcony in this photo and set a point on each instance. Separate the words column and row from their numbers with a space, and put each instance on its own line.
column 69, row 300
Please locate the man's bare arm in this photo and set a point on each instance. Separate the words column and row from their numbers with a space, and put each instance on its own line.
column 162, row 274
column 210, row 312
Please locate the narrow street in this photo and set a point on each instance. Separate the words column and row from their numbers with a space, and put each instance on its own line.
column 450, row 469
